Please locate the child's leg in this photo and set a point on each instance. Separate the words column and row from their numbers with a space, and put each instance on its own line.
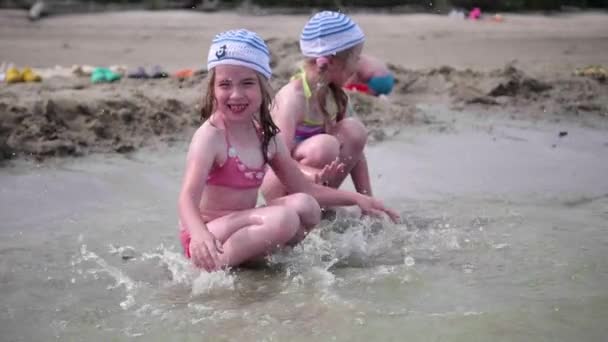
column 352, row 136
column 312, row 155
column 255, row 232
column 317, row 151
column 347, row 141
column 308, row 211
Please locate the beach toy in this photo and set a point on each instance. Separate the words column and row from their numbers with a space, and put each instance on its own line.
column 104, row 75
column 30, row 76
column 358, row 87
column 158, row 72
column 98, row 76
column 139, row 73
column 13, row 75
column 498, row 18
column 112, row 76
column 475, row 14
column 184, row 73
column 456, row 14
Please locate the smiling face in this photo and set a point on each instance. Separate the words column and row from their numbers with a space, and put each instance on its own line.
column 237, row 91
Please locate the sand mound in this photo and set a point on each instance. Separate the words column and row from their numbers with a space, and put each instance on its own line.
column 509, row 88
column 76, row 118
column 70, row 117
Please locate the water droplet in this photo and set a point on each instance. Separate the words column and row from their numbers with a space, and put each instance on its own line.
column 231, row 152
column 409, row 261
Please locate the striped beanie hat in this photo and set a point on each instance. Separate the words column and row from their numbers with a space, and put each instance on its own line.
column 328, row 33
column 240, row 47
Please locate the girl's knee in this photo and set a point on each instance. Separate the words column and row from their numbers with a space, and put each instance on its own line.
column 353, row 133
column 285, row 222
column 326, row 150
column 307, row 207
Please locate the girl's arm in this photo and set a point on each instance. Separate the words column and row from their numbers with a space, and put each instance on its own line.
column 360, row 177
column 294, row 180
column 286, row 113
column 360, row 172
column 201, row 156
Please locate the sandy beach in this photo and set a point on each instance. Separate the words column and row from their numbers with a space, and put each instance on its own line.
column 523, row 66
column 492, row 149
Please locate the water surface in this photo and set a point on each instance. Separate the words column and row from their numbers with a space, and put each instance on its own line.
column 503, row 238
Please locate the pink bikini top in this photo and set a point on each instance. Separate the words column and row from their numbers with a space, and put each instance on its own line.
column 234, row 174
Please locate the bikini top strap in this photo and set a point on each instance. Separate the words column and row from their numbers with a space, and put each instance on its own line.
column 301, row 75
column 226, row 138
column 307, row 91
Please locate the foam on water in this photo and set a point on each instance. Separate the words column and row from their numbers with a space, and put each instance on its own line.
column 340, row 243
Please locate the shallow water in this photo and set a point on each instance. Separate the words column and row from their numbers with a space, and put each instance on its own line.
column 503, row 238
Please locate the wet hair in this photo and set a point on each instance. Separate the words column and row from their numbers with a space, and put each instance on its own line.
column 324, row 88
column 268, row 128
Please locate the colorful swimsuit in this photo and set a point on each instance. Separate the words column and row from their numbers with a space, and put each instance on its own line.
column 233, row 173
column 308, row 128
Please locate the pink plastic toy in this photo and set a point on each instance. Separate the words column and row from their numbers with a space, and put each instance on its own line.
column 475, row 14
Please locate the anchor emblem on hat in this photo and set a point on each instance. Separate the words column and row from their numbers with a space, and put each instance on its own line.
column 221, row 52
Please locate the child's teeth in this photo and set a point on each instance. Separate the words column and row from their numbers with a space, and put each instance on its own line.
column 238, row 107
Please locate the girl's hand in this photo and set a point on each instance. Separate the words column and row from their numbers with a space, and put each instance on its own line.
column 329, row 172
column 373, row 207
column 204, row 249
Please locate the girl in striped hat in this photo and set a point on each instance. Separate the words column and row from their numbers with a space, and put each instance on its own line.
column 312, row 110
column 227, row 159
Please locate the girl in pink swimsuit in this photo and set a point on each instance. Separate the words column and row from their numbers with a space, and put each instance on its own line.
column 313, row 111
column 228, row 158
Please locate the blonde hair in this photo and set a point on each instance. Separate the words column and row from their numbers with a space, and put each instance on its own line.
column 325, row 88
column 268, row 128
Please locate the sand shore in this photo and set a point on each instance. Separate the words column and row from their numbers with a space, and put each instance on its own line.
column 523, row 66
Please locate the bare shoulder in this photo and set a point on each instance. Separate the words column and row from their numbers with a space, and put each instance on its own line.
column 290, row 99
column 291, row 91
column 208, row 137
